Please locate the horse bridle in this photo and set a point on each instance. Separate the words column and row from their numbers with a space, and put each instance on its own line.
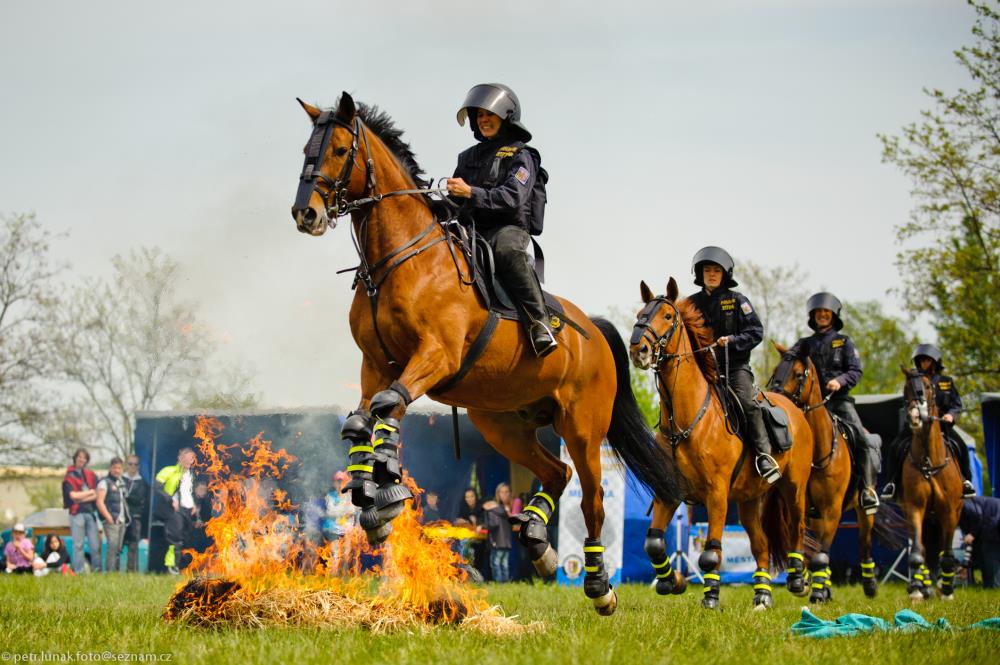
column 780, row 375
column 915, row 380
column 333, row 192
column 642, row 330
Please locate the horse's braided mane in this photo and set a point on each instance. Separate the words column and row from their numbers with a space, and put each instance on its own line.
column 700, row 336
column 379, row 122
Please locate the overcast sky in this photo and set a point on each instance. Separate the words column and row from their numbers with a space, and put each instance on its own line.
column 665, row 126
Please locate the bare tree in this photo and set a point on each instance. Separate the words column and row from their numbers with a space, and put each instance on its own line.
column 26, row 301
column 129, row 344
column 778, row 294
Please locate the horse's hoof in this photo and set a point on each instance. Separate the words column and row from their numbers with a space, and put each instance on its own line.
column 917, row 596
column 817, row 598
column 710, row 603
column 947, row 596
column 680, row 584
column 762, row 602
column 796, row 585
column 871, row 590
column 606, row 604
column 547, row 564
column 378, row 535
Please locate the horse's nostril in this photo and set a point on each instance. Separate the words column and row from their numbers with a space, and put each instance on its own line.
column 309, row 216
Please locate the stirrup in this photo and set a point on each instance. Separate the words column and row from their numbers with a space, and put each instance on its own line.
column 869, row 501
column 968, row 489
column 771, row 475
column 541, row 347
column 889, row 491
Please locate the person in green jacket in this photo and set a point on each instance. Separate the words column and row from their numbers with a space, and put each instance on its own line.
column 175, row 487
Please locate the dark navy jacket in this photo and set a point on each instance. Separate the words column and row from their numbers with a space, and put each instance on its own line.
column 498, row 198
column 981, row 517
column 835, row 357
column 730, row 314
column 946, row 395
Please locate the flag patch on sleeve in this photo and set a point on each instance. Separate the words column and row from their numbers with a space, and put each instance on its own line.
column 521, row 175
column 746, row 308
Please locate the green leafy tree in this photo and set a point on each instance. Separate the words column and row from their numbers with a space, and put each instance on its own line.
column 950, row 261
column 883, row 342
column 778, row 295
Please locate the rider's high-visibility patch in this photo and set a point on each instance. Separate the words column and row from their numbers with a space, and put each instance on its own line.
column 728, row 304
column 837, row 343
column 746, row 308
column 507, row 151
column 521, row 175
column 945, row 385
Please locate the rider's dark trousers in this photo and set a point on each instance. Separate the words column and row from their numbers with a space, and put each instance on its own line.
column 512, row 252
column 869, row 451
column 741, row 381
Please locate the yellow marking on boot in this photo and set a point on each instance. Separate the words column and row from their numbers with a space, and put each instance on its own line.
column 378, row 442
column 761, row 573
column 366, row 468
column 762, row 587
column 552, row 504
column 796, row 555
column 593, row 548
column 868, row 565
column 944, row 574
column 387, row 428
column 661, row 565
column 712, row 576
column 819, row 587
column 539, row 512
column 360, row 449
column 591, row 569
column 869, row 575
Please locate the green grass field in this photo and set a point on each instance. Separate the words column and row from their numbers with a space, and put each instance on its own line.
column 121, row 614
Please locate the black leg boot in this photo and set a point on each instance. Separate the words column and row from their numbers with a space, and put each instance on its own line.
column 766, row 466
column 519, row 279
column 868, row 499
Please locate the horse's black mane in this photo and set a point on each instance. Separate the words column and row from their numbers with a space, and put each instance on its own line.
column 383, row 126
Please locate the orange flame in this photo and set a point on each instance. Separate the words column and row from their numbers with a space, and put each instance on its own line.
column 258, row 545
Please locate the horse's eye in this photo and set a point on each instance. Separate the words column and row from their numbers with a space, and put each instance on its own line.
column 340, row 152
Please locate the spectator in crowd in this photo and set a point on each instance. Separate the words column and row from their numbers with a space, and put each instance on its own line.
column 55, row 556
column 339, row 514
column 980, row 524
column 470, row 512
column 20, row 553
column 113, row 508
column 137, row 498
column 79, row 489
column 175, row 489
column 496, row 515
column 431, row 508
column 203, row 513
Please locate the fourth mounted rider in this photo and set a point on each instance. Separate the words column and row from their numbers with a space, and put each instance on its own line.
column 839, row 367
column 496, row 179
column 927, row 360
column 737, row 329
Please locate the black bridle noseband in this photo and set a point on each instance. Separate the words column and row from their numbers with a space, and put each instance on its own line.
column 780, row 376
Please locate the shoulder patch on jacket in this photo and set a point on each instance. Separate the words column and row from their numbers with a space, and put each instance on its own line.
column 746, row 307
column 521, row 175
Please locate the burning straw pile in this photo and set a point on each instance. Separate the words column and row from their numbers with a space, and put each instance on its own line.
column 260, row 570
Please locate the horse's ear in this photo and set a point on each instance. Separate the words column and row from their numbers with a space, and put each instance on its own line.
column 672, row 289
column 645, row 292
column 310, row 109
column 346, row 110
column 779, row 347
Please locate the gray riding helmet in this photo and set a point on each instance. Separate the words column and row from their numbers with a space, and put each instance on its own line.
column 718, row 256
column 929, row 351
column 824, row 300
column 495, row 98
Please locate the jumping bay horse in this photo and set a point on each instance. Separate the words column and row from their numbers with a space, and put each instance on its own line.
column 415, row 317
column 830, row 481
column 931, row 490
column 670, row 337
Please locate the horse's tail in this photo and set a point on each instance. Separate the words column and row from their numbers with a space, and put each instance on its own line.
column 775, row 519
column 629, row 435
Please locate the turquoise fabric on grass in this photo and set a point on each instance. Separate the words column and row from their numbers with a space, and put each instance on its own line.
column 905, row 621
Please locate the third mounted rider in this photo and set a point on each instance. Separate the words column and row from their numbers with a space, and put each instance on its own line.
column 737, row 329
column 839, row 367
column 927, row 359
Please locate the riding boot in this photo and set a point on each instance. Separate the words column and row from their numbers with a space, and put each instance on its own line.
column 766, row 466
column 961, row 452
column 869, row 476
column 521, row 283
column 891, row 470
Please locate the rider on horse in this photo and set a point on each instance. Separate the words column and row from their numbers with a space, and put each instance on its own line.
column 737, row 330
column 496, row 178
column 839, row 367
column 927, row 359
